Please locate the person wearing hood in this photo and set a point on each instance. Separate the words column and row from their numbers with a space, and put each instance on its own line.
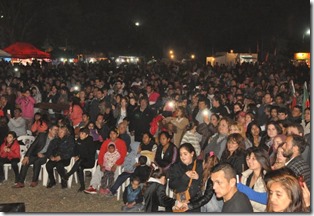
column 120, row 147
column 182, row 171
column 129, row 167
column 110, row 159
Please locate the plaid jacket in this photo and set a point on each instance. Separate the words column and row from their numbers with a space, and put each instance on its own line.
column 300, row 167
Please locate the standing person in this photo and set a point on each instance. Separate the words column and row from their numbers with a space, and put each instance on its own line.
column 60, row 152
column 10, row 153
column 167, row 152
column 110, row 159
column 26, row 102
column 258, row 163
column 181, row 172
column 217, row 143
column 273, row 129
column 207, row 128
column 84, row 153
column 17, row 123
column 121, row 148
column 180, row 123
column 124, row 135
column 306, row 122
column 36, row 155
column 142, row 170
column 121, row 111
column 285, row 194
column 280, row 160
column 253, row 133
column 224, row 181
column 191, row 136
column 292, row 149
column 234, row 153
column 140, row 119
column 93, row 107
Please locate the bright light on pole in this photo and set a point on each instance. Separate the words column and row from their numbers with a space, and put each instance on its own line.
column 192, row 56
column 137, row 23
column 308, row 32
column 171, row 52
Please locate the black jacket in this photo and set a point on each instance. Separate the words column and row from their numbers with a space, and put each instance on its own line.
column 140, row 122
column 170, row 155
column 37, row 145
column 237, row 161
column 61, row 147
column 85, row 149
column 143, row 172
column 155, row 195
column 208, row 194
column 178, row 180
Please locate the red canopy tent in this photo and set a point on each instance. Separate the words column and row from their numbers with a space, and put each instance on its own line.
column 25, row 50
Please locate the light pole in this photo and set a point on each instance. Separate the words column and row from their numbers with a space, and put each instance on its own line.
column 308, row 32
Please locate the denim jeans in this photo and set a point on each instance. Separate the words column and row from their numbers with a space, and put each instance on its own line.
column 119, row 181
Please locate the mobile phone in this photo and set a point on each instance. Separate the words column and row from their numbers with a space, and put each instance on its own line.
column 9, row 112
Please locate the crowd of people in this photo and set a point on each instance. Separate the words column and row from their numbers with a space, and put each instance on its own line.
column 224, row 138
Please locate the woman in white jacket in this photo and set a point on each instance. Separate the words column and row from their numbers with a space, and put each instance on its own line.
column 258, row 163
column 193, row 137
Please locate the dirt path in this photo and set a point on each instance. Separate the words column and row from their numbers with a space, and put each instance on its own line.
column 41, row 199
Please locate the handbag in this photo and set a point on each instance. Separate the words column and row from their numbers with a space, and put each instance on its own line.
column 185, row 195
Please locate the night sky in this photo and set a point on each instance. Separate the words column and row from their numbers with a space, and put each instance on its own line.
column 186, row 26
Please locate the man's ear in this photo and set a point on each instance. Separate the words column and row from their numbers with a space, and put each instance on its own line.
column 233, row 182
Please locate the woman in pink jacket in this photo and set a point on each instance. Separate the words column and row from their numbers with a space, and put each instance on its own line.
column 10, row 153
column 26, row 102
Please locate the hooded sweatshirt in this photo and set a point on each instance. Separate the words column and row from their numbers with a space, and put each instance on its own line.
column 110, row 159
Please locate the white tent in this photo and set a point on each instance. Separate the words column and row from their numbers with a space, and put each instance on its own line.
column 4, row 54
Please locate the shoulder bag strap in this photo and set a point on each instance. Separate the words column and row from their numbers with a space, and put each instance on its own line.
column 194, row 167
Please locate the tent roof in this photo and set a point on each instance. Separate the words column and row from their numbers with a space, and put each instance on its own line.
column 4, row 54
column 25, row 50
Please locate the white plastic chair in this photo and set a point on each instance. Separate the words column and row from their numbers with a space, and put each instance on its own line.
column 26, row 139
column 68, row 168
column 92, row 170
column 6, row 167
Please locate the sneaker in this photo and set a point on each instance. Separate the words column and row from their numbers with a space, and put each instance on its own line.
column 90, row 190
column 103, row 191
column 110, row 194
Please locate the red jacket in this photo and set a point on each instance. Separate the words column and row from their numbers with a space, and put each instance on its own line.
column 120, row 146
column 14, row 153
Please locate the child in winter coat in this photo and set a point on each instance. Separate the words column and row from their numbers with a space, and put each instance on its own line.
column 129, row 166
column 133, row 197
column 110, row 159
